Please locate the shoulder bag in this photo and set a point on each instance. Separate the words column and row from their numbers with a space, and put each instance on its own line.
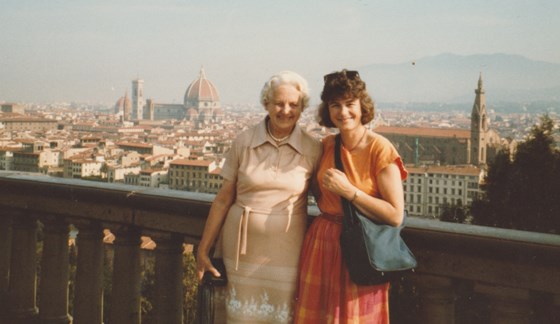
column 373, row 253
column 210, row 306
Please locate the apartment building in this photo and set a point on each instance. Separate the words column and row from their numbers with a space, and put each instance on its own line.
column 195, row 175
column 82, row 168
column 7, row 159
column 144, row 148
column 132, row 178
column 12, row 108
column 429, row 187
column 116, row 173
column 16, row 124
column 26, row 161
column 152, row 178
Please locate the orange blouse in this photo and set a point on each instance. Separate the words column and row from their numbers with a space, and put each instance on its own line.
column 361, row 168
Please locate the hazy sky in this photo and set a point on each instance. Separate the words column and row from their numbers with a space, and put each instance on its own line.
column 89, row 51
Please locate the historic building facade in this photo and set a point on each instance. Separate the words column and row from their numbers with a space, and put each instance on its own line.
column 123, row 107
column 201, row 104
column 195, row 175
column 440, row 146
column 427, row 188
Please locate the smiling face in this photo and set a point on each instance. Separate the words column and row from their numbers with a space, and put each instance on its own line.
column 345, row 113
column 284, row 109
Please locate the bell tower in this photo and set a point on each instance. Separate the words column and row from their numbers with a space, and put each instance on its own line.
column 138, row 99
column 479, row 126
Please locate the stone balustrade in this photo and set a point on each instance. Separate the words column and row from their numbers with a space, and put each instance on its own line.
column 514, row 275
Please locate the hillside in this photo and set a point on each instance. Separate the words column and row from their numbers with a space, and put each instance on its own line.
column 452, row 78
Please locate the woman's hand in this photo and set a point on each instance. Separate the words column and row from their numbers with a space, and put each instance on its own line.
column 336, row 181
column 223, row 201
column 388, row 208
column 204, row 264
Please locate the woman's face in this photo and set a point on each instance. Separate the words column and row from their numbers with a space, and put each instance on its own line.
column 345, row 113
column 284, row 108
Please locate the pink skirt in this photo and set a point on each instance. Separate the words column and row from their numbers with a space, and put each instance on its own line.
column 325, row 293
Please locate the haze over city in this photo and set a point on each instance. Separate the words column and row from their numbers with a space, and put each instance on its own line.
column 89, row 51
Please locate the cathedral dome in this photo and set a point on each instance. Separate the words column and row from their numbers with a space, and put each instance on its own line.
column 201, row 93
column 123, row 104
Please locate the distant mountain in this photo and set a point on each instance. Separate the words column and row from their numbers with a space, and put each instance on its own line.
column 452, row 78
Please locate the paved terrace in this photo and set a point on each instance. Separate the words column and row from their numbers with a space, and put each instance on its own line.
column 516, row 273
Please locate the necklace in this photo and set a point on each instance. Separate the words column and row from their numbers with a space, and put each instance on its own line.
column 273, row 137
column 356, row 145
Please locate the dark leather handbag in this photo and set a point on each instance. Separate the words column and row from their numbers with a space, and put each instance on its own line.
column 208, row 306
column 373, row 253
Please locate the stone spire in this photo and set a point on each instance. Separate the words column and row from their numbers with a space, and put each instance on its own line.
column 479, row 126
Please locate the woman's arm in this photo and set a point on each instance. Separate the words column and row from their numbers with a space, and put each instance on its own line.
column 314, row 183
column 218, row 211
column 388, row 209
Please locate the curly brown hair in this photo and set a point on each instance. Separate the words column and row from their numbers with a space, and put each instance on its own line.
column 342, row 85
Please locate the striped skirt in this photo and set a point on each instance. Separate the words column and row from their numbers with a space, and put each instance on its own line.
column 325, row 292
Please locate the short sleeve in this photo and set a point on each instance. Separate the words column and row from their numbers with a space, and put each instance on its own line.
column 386, row 153
column 231, row 165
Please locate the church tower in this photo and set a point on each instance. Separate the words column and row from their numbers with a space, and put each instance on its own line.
column 138, row 99
column 479, row 126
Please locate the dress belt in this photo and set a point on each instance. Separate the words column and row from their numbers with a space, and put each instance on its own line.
column 242, row 234
column 243, row 229
column 332, row 218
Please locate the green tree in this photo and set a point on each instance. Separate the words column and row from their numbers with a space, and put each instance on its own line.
column 453, row 213
column 148, row 286
column 523, row 193
column 190, row 287
column 492, row 209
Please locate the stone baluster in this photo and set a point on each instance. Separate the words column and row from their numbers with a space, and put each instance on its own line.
column 545, row 307
column 507, row 305
column 169, row 276
column 53, row 301
column 438, row 299
column 88, row 300
column 23, row 270
column 555, row 311
column 125, row 294
column 5, row 252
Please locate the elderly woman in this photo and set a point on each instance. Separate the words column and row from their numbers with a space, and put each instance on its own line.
column 372, row 181
column 262, row 207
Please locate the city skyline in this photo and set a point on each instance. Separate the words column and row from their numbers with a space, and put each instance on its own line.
column 90, row 52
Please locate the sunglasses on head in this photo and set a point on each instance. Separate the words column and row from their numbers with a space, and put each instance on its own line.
column 349, row 74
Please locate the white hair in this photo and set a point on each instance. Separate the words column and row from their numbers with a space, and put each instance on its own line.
column 286, row 78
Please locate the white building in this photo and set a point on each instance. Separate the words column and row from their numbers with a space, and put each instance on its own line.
column 117, row 173
column 429, row 187
column 6, row 159
column 81, row 168
column 152, row 178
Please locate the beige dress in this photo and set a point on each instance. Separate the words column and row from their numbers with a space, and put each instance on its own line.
column 264, row 229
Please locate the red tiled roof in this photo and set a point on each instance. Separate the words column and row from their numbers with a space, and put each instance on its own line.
column 425, row 132
column 141, row 145
column 446, row 169
column 203, row 163
column 201, row 90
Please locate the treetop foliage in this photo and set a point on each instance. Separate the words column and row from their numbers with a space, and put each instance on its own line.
column 522, row 191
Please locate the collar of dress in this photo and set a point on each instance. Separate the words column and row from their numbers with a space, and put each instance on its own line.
column 260, row 137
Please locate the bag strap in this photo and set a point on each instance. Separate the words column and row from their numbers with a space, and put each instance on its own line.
column 347, row 207
column 337, row 159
